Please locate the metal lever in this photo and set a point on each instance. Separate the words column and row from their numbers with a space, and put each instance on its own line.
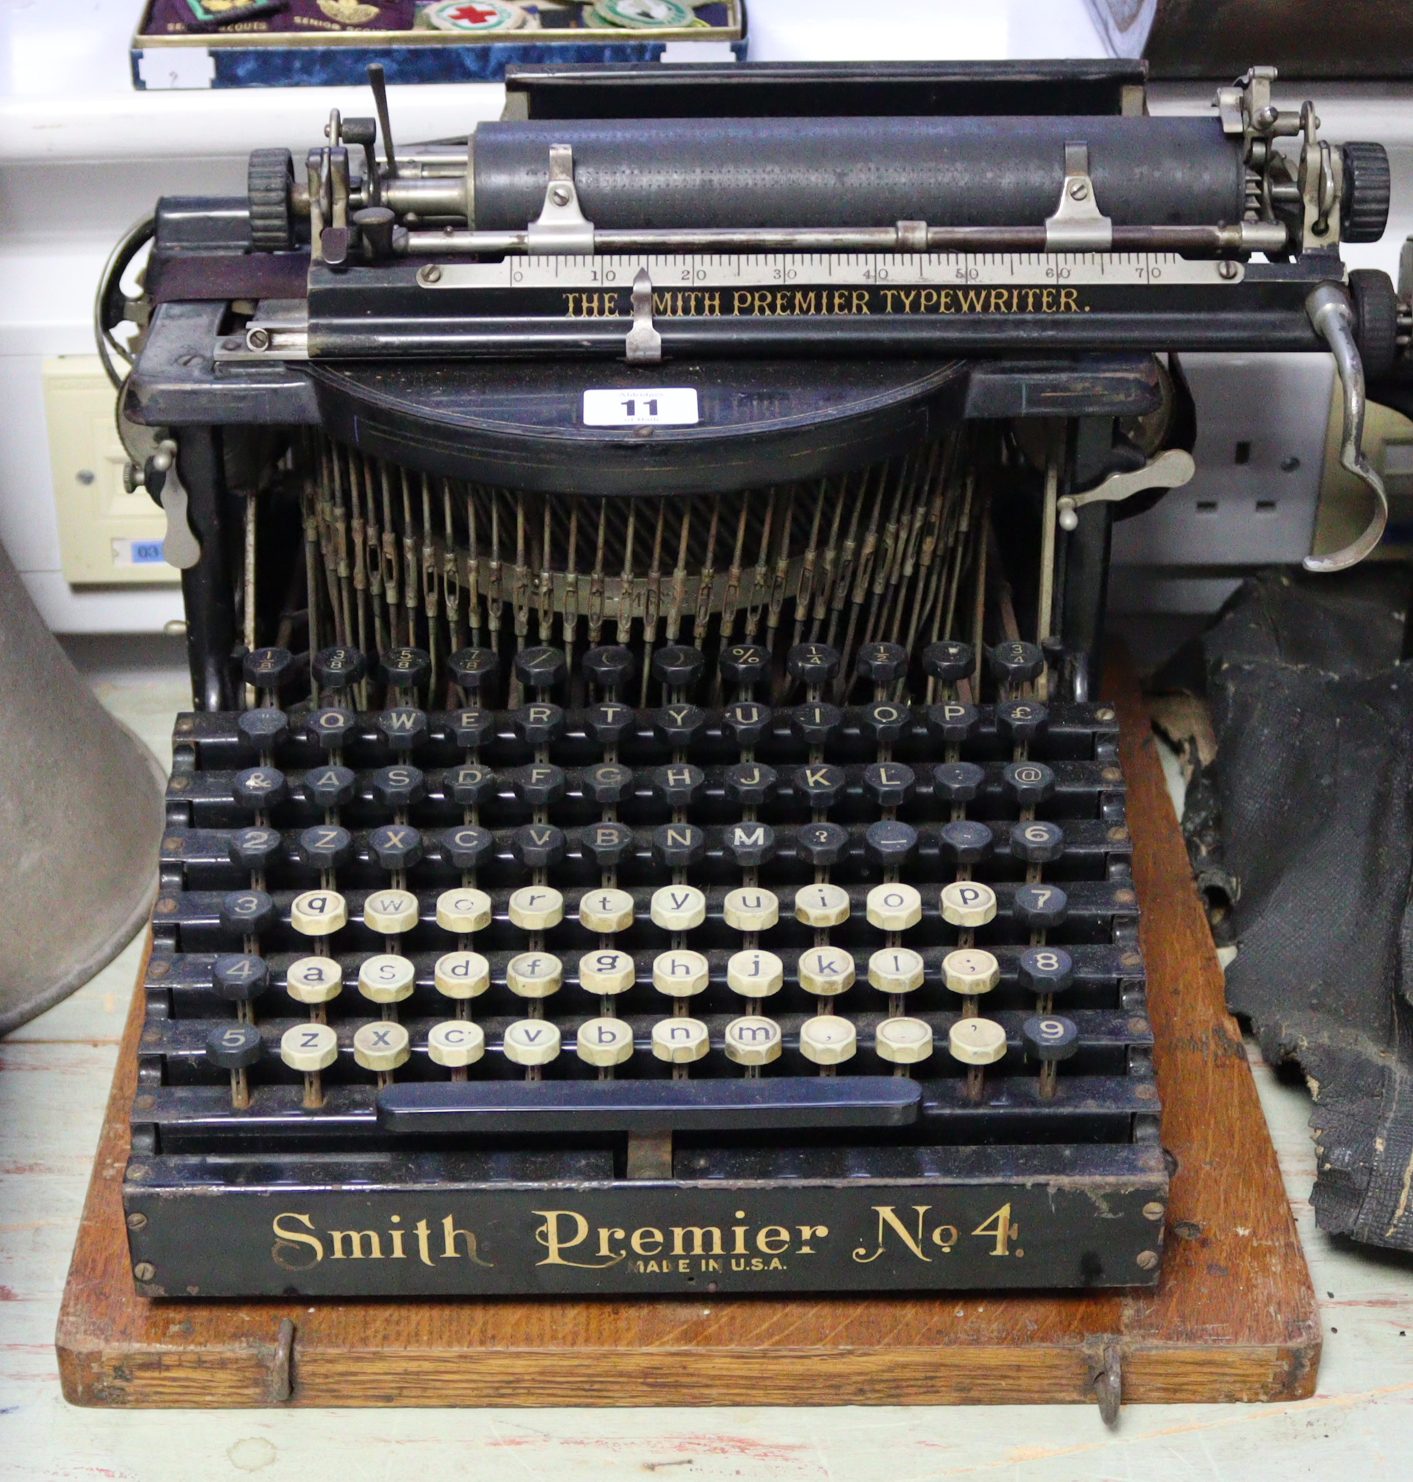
column 561, row 226
column 643, row 344
column 180, row 547
column 1170, row 470
column 1078, row 225
column 1333, row 317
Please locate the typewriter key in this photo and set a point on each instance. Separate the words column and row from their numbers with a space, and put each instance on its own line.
column 1045, row 971
column 309, row 1047
column 977, row 1041
column 538, row 846
column 403, row 728
column 889, row 784
column 391, row 911
column 255, row 848
column 607, row 844
column 538, row 784
column 234, row 1046
column 678, row 907
column 385, row 978
column 883, row 663
column 259, row 787
column 680, row 1041
column 965, row 842
column 609, row 723
column 468, row 846
column 470, row 785
column 1049, row 1037
column 744, row 664
column 755, row 974
column 463, row 910
column 677, row 845
column 822, row 906
column 263, row 729
column 248, row 912
column 531, row 1042
column 746, row 722
column 820, row 784
column 536, row 907
column 1021, row 721
column 461, row 975
column 678, row 785
column 312, row 980
column 896, row 970
column 678, row 724
column 826, row 971
column 752, row 1040
column 1037, row 842
column 890, row 844
column 681, row 973
column 470, row 728
column 606, row 973
column 1016, row 662
column 750, row 783
column 267, row 668
column 405, row 668
column 534, row 974
column 609, row 668
column 318, row 913
column 816, row 723
column 814, row 663
column 473, row 669
column 828, row 1039
column 456, row 1043
column 750, row 908
column 968, row 903
column 608, row 784
column 382, row 1045
column 240, row 977
column 396, row 846
column 337, row 668
column 903, row 1041
column 538, row 724
column 1040, row 907
column 958, row 782
column 606, row 910
column 604, row 1042
column 970, row 971
column 540, row 668
column 677, row 666
column 399, row 786
column 894, row 907
column 953, row 722
column 750, row 844
column 822, row 844
column 330, row 787
column 884, row 722
column 948, row 661
column 326, row 846
column 1028, row 783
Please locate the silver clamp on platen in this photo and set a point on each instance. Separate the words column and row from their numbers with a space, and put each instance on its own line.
column 1078, row 224
column 560, row 226
column 1170, row 470
column 643, row 345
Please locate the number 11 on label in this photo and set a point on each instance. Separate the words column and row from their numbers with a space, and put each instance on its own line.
column 671, row 406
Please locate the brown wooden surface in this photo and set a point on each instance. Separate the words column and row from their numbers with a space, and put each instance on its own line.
column 1234, row 1317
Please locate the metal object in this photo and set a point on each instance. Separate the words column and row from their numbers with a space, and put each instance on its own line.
column 1169, row 470
column 180, row 547
column 1078, row 225
column 561, row 226
column 644, row 343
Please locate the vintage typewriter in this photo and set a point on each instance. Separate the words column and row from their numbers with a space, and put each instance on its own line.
column 649, row 822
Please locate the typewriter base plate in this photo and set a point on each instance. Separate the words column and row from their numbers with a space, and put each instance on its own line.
column 1232, row 1319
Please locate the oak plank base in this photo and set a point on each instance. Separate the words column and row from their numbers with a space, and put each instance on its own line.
column 1233, row 1319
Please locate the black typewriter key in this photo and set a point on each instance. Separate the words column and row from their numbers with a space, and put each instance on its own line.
column 539, row 784
column 403, row 728
column 1036, row 842
column 678, row 666
column 949, row 660
column 1049, row 1038
column 822, row 844
column 746, row 722
column 405, row 668
column 331, row 727
column 608, row 784
column 889, row 784
column 255, row 848
column 473, row 669
column 608, row 668
column 678, row 784
column 815, row 722
column 744, row 664
column 750, row 844
column 235, row 1048
column 890, row 843
column 471, row 728
column 399, row 786
column 966, row 842
column 820, row 784
column 540, row 668
column 677, row 724
column 958, row 782
column 240, row 976
column 608, row 844
column 247, row 912
column 953, row 722
column 884, row 722
column 609, row 722
column 337, row 668
column 1040, row 907
column 326, row 846
column 1016, row 662
column 259, row 787
column 467, row 847
column 263, row 729
column 470, row 785
column 750, row 783
column 396, row 846
column 813, row 663
column 267, row 668
column 883, row 663
column 330, row 787
column 1028, row 783
column 1045, row 971
column 1021, row 721
column 538, row 845
column 678, row 845
column 538, row 724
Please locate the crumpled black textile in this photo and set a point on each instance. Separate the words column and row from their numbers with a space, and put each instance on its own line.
column 1313, row 715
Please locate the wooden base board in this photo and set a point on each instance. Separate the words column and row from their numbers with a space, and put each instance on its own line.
column 1234, row 1317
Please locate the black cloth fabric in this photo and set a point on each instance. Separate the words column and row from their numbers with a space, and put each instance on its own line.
column 1314, row 721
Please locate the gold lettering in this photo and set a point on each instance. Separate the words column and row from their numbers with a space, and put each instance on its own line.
column 888, row 299
column 605, row 1234
column 782, row 300
column 1047, row 300
column 571, row 311
column 807, row 1233
column 422, row 1230
column 972, row 300
column 804, row 302
column 1069, row 301
column 907, row 295
column 841, row 301
column 554, row 1242
column 355, row 1240
column 999, row 1225
column 861, row 302
column 646, row 1237
column 449, row 1250
column 772, row 1239
column 762, row 301
column 662, row 303
column 398, row 1254
column 739, row 1249
column 741, row 302
column 698, row 1234
column 713, row 303
column 1029, row 298
column 999, row 300
column 887, row 1217
column 290, row 1240
column 928, row 299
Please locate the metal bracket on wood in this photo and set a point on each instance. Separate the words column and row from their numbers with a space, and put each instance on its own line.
column 560, row 226
column 643, row 345
column 1078, row 225
column 1106, row 1375
column 282, row 1364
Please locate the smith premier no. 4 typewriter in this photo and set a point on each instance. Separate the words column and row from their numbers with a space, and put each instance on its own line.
column 649, row 822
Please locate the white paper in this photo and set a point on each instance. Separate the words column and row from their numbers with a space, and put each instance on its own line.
column 670, row 406
column 163, row 68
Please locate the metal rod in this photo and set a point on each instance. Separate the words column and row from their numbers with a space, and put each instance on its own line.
column 377, row 80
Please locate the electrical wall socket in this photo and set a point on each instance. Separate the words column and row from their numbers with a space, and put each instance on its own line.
column 106, row 535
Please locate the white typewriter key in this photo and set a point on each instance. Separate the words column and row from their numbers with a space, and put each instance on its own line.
column 536, row 908
column 604, row 1042
column 678, row 907
column 895, row 970
column 390, row 911
column 755, row 974
column 680, row 1041
column 903, row 1041
column 680, row 974
column 314, row 979
column 750, row 909
column 381, row 1045
column 977, row 1041
column 386, row 979
column 970, row 970
column 826, row 971
column 606, row 972
column 894, row 907
column 534, row 975
column 752, row 1040
column 531, row 1041
column 463, row 911
column 828, row 1039
column 968, row 903
column 462, row 974
column 318, row 913
column 309, row 1047
column 456, row 1043
column 821, row 906
column 606, row 910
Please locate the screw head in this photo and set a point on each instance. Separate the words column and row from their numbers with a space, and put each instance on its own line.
column 1148, row 1259
column 1153, row 1211
column 1227, row 269
column 559, row 194
column 137, row 1221
column 145, row 1270
column 258, row 339
column 1079, row 190
column 430, row 274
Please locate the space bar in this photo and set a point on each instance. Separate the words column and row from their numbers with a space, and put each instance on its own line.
column 703, row 1105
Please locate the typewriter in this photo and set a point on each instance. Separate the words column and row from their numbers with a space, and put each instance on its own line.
column 649, row 822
